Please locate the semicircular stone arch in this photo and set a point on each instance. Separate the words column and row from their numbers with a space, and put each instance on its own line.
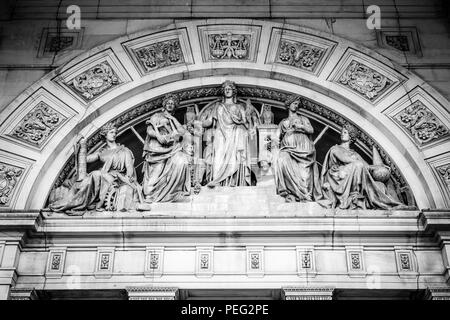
column 123, row 80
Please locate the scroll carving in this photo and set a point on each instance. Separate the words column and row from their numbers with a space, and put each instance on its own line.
column 94, row 81
column 421, row 123
column 299, row 55
column 38, row 124
column 364, row 80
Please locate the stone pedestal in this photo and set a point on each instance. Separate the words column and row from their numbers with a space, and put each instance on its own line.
column 438, row 293
column 152, row 293
column 307, row 293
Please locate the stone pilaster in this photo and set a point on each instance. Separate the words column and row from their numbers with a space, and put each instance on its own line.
column 438, row 293
column 307, row 293
column 152, row 293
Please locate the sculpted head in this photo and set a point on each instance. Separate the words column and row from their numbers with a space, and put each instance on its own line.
column 292, row 103
column 109, row 132
column 170, row 102
column 349, row 133
column 229, row 89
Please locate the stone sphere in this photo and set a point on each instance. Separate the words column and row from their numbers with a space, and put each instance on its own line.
column 380, row 173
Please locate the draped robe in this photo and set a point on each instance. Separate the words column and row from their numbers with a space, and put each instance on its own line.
column 296, row 172
column 166, row 167
column 90, row 193
column 231, row 164
column 349, row 184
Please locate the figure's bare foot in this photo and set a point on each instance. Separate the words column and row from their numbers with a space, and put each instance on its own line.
column 212, row 185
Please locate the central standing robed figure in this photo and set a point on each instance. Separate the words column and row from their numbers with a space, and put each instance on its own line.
column 231, row 153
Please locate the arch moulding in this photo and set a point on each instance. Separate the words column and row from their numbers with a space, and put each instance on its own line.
column 406, row 117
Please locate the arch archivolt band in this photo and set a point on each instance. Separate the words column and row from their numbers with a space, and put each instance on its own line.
column 402, row 114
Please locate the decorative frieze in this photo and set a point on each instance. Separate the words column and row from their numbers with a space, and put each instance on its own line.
column 253, row 92
column 229, row 46
column 38, row 124
column 93, row 77
column 159, row 55
column 421, row 118
column 303, row 51
column 9, row 176
column 422, row 124
column 161, row 50
column 365, row 76
column 299, row 55
column 55, row 262
column 229, row 42
column 154, row 260
column 94, row 81
column 364, row 80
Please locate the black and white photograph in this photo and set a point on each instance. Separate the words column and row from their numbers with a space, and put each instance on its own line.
column 193, row 150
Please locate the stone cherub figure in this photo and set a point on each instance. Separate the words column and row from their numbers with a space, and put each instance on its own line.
column 349, row 182
column 113, row 187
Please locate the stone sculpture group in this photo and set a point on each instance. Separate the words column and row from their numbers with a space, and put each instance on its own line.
column 228, row 127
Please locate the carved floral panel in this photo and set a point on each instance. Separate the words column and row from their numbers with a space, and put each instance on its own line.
column 159, row 55
column 299, row 55
column 38, row 124
column 94, row 81
column 422, row 124
column 229, row 46
column 9, row 176
column 364, row 80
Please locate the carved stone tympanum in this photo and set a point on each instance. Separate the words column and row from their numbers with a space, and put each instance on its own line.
column 94, row 81
column 422, row 124
column 364, row 80
column 38, row 124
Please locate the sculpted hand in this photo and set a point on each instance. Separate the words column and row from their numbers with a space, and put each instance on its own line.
column 161, row 139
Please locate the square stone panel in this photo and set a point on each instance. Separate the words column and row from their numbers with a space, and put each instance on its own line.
column 421, row 118
column 299, row 50
column 93, row 77
column 36, row 120
column 227, row 43
column 159, row 50
column 365, row 77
